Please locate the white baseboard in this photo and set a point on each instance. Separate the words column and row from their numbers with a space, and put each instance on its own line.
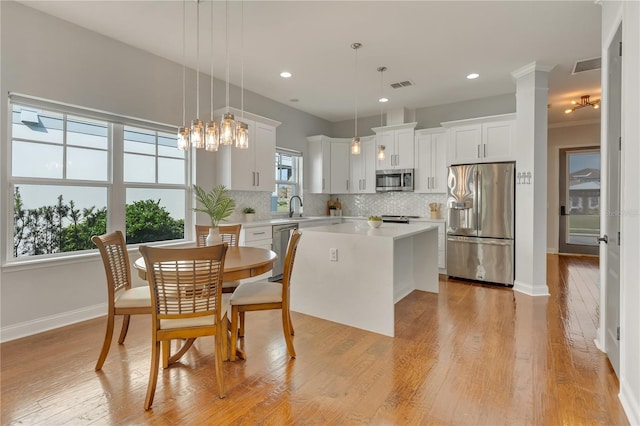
column 630, row 403
column 530, row 289
column 39, row 325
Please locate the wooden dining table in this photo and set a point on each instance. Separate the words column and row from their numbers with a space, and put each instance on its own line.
column 240, row 263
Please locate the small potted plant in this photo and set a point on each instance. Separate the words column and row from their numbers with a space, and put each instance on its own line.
column 249, row 213
column 374, row 221
column 218, row 205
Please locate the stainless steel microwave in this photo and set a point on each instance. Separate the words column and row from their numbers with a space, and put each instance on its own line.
column 394, row 180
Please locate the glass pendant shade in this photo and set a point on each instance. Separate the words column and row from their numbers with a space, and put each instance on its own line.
column 355, row 146
column 227, row 130
column 212, row 136
column 381, row 152
column 183, row 138
column 242, row 136
column 197, row 134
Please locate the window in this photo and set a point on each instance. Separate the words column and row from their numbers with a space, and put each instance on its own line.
column 70, row 168
column 288, row 179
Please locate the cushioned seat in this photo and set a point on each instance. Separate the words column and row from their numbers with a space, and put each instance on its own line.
column 134, row 297
column 257, row 292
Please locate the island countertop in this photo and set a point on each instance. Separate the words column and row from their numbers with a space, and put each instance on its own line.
column 386, row 230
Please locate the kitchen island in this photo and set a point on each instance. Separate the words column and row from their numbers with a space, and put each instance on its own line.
column 353, row 274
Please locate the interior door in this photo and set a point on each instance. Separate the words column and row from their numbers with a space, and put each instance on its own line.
column 611, row 237
column 579, row 200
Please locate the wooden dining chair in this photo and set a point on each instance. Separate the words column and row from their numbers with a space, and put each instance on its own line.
column 122, row 298
column 187, row 303
column 265, row 295
column 231, row 235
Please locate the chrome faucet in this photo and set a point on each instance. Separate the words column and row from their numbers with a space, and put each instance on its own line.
column 291, row 204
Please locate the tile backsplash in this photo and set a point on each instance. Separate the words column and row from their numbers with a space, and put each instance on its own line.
column 391, row 203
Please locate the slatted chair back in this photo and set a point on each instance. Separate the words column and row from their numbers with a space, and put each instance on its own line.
column 113, row 250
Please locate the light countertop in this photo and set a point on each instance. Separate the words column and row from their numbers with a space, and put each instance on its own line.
column 386, row 230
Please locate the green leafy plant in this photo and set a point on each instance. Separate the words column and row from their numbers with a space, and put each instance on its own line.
column 375, row 218
column 216, row 203
column 248, row 210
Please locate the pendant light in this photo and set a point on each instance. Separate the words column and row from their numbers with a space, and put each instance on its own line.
column 242, row 129
column 183, row 132
column 382, row 100
column 197, row 127
column 355, row 143
column 212, row 130
column 227, row 125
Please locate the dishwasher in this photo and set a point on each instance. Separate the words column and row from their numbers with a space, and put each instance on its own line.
column 281, row 235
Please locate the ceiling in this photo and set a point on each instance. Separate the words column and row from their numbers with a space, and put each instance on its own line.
column 434, row 44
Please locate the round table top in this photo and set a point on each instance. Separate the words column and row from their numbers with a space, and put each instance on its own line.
column 240, row 262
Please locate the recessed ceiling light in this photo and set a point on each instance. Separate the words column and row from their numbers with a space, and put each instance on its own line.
column 285, row 74
column 383, row 100
column 473, row 75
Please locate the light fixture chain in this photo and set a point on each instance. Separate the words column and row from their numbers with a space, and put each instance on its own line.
column 184, row 48
column 197, row 59
column 212, row 79
column 242, row 60
column 226, row 40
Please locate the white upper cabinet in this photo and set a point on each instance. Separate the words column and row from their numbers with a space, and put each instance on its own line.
column 398, row 142
column 363, row 168
column 340, row 153
column 482, row 140
column 251, row 169
column 431, row 161
column 319, row 164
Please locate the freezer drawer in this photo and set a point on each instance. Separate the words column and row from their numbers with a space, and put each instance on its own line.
column 481, row 259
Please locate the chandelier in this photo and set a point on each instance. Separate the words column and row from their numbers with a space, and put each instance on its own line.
column 229, row 131
column 584, row 102
column 355, row 143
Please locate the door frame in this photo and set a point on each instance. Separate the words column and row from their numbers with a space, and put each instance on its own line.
column 563, row 246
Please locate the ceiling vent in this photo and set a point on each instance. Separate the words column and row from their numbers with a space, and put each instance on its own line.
column 401, row 84
column 587, row 65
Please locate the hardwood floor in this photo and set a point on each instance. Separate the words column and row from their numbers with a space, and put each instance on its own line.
column 472, row 355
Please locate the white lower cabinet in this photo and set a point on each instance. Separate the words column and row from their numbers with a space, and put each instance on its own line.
column 261, row 237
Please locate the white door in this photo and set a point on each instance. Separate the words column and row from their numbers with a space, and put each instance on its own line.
column 404, row 149
column 611, row 236
column 340, row 153
column 466, row 142
column 264, row 147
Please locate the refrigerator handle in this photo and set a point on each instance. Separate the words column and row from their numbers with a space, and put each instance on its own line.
column 478, row 185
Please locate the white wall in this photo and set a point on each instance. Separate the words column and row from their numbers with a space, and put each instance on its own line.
column 628, row 12
column 50, row 58
column 559, row 138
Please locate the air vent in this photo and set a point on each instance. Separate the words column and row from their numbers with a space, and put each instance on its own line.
column 587, row 65
column 401, row 84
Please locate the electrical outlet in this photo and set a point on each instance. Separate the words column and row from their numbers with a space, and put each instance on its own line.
column 333, row 254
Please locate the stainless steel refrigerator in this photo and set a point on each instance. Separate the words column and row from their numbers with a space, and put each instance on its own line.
column 480, row 227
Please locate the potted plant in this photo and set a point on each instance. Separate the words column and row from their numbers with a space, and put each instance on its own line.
column 218, row 205
column 249, row 213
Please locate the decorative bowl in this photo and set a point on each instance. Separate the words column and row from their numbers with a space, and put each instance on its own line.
column 374, row 223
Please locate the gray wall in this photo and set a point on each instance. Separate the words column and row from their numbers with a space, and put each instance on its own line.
column 429, row 117
column 50, row 58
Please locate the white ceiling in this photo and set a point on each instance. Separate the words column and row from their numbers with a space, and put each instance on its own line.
column 435, row 44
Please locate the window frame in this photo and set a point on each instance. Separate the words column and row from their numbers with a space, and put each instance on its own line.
column 297, row 173
column 114, row 184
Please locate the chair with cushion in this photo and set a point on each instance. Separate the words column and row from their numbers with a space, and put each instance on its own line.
column 265, row 295
column 122, row 298
column 187, row 303
column 231, row 235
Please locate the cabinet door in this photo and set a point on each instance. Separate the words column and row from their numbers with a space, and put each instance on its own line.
column 320, row 166
column 340, row 153
column 466, row 141
column 385, row 139
column 243, row 162
column 497, row 140
column 423, row 163
column 363, row 169
column 265, row 151
column 404, row 140
column 439, row 163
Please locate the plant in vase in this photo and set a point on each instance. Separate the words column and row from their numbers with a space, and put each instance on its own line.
column 374, row 221
column 218, row 205
column 249, row 213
